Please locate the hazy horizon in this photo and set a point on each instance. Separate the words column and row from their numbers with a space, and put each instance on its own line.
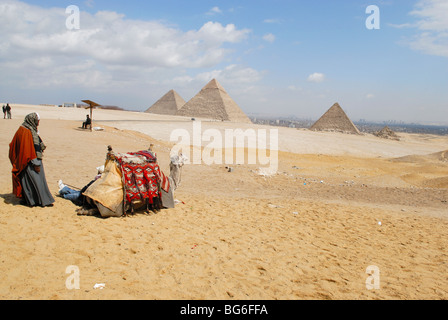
column 270, row 116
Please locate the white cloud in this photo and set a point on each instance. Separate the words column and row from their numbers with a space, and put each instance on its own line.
column 269, row 37
column 370, row 96
column 400, row 26
column 36, row 44
column 111, row 58
column 213, row 11
column 316, row 77
column 235, row 74
column 429, row 43
column 214, row 32
column 433, row 27
column 433, row 15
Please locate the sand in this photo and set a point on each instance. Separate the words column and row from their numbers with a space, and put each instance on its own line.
column 337, row 205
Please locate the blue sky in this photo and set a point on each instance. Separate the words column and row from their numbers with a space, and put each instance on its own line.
column 273, row 57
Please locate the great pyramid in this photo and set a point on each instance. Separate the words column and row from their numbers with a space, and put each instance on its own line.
column 335, row 119
column 169, row 104
column 213, row 102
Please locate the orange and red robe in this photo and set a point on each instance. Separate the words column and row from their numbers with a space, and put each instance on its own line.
column 21, row 152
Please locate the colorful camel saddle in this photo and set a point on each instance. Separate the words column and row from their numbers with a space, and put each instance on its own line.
column 142, row 178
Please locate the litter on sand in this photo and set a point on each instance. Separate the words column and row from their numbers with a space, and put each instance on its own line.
column 266, row 172
column 100, row 286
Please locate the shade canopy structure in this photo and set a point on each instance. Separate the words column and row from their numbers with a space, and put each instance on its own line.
column 91, row 106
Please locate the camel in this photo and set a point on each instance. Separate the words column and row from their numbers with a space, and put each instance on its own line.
column 107, row 195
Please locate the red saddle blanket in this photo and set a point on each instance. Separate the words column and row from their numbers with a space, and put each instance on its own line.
column 143, row 179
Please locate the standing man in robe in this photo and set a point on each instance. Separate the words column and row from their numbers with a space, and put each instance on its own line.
column 8, row 111
column 28, row 175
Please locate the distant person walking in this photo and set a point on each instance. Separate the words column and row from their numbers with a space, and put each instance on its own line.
column 8, row 111
column 4, row 112
column 28, row 175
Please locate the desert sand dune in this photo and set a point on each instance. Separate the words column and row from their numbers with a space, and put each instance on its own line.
column 337, row 205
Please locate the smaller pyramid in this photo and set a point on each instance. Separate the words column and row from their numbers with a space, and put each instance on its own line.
column 169, row 104
column 335, row 119
column 213, row 102
column 387, row 133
